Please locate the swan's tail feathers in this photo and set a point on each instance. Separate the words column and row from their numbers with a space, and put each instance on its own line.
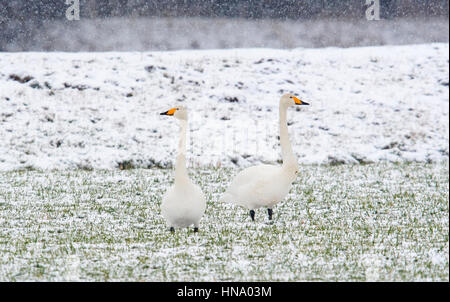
column 226, row 197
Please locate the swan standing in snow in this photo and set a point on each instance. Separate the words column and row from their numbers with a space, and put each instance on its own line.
column 266, row 185
column 184, row 203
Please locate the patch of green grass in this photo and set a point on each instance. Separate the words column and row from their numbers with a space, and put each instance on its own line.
column 385, row 222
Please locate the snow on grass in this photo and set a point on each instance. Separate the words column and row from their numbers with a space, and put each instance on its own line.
column 384, row 221
column 100, row 110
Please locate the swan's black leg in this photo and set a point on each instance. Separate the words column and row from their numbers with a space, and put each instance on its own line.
column 252, row 215
column 195, row 229
column 270, row 212
column 172, row 229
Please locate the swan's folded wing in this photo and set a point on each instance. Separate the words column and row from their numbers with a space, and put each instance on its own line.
column 246, row 181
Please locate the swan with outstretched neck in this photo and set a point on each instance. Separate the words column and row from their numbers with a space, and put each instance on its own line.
column 266, row 185
column 184, row 203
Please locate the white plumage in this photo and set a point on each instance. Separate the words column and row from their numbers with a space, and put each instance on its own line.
column 184, row 203
column 266, row 185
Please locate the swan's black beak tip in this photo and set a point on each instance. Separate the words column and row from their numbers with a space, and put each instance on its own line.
column 298, row 101
column 169, row 112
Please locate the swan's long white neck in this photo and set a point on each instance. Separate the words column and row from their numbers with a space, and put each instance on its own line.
column 180, row 167
column 286, row 148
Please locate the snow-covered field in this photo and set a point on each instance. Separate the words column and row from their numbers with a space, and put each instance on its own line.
column 72, row 124
column 373, row 222
column 100, row 110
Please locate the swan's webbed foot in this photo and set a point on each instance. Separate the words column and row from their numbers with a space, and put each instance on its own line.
column 252, row 215
column 270, row 212
column 172, row 229
column 195, row 229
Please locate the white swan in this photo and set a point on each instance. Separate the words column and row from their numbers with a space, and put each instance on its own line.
column 184, row 203
column 266, row 185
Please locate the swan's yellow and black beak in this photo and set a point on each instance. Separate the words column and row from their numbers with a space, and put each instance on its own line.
column 299, row 102
column 169, row 112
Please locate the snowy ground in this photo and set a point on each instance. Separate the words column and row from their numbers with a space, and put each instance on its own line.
column 382, row 221
column 100, row 110
column 69, row 120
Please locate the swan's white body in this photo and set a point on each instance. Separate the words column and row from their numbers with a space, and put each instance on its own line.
column 184, row 203
column 266, row 185
column 260, row 186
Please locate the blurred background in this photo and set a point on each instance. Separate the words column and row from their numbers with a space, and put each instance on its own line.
column 138, row 25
